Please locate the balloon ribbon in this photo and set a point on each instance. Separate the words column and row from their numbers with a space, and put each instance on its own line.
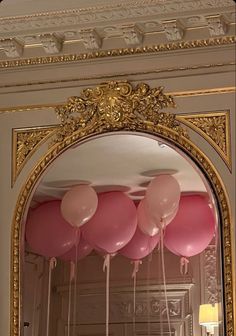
column 52, row 265
column 164, row 280
column 106, row 267
column 134, row 276
column 75, row 284
column 184, row 265
column 72, row 276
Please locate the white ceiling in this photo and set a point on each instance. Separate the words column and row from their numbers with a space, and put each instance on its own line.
column 117, row 162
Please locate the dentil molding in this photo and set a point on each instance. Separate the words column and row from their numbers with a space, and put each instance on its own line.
column 131, row 23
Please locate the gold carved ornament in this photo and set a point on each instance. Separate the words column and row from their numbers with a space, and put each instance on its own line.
column 25, row 141
column 215, row 128
column 116, row 106
column 110, row 107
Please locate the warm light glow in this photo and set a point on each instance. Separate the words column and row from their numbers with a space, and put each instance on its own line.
column 209, row 316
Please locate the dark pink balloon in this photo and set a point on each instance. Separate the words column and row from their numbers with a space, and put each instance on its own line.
column 140, row 245
column 113, row 224
column 193, row 227
column 47, row 233
column 83, row 250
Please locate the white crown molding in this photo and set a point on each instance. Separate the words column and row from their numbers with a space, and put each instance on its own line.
column 119, row 25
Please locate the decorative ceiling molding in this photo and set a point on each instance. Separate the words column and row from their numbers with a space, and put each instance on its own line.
column 153, row 49
column 214, row 127
column 25, row 141
column 130, row 9
column 154, row 20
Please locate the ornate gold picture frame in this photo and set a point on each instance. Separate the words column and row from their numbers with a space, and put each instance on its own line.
column 121, row 107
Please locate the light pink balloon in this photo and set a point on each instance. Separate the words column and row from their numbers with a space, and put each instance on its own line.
column 169, row 218
column 162, row 196
column 47, row 233
column 113, row 224
column 192, row 229
column 145, row 223
column 79, row 204
column 83, row 250
column 140, row 245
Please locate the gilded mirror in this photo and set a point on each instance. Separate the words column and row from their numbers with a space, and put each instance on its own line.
column 119, row 138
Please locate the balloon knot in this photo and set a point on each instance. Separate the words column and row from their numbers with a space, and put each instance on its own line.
column 106, row 262
column 184, row 265
column 52, row 263
column 136, row 263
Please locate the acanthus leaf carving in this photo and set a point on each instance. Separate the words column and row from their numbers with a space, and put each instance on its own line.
column 91, row 39
column 217, row 25
column 132, row 35
column 51, row 43
column 174, row 30
column 11, row 47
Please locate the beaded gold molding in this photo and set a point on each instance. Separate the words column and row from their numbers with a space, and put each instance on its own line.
column 110, row 108
column 153, row 49
column 214, row 128
column 25, row 142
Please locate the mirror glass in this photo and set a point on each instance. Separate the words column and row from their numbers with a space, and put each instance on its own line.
column 162, row 293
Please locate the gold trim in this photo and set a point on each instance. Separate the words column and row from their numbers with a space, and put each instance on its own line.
column 214, row 127
column 124, row 74
column 25, row 141
column 154, row 49
column 113, row 114
column 177, row 94
column 204, row 92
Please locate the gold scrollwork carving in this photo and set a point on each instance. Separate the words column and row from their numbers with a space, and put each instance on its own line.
column 109, row 108
column 25, row 142
column 116, row 106
column 213, row 127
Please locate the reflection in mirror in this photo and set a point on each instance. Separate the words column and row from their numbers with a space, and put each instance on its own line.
column 122, row 237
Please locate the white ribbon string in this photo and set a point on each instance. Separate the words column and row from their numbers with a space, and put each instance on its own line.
column 164, row 280
column 52, row 265
column 72, row 276
column 106, row 267
column 134, row 276
column 148, row 293
column 75, row 284
column 184, row 265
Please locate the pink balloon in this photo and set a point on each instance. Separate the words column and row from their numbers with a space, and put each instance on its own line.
column 163, row 194
column 79, row 204
column 47, row 233
column 113, row 224
column 192, row 229
column 145, row 223
column 140, row 245
column 83, row 250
